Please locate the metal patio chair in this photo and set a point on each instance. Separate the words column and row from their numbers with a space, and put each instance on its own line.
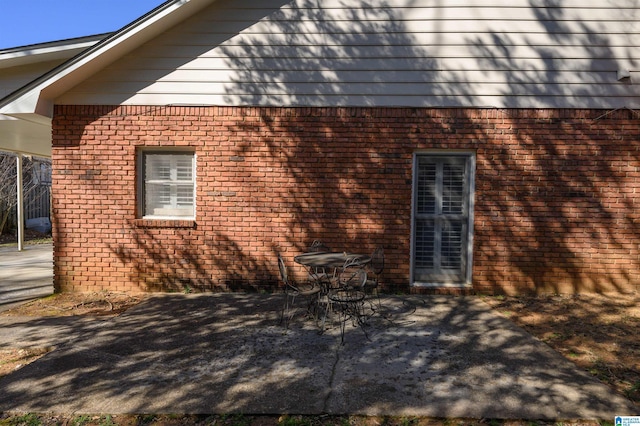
column 293, row 290
column 374, row 269
column 319, row 274
column 318, row 246
column 346, row 296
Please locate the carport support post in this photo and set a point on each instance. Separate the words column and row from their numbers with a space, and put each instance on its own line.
column 20, row 205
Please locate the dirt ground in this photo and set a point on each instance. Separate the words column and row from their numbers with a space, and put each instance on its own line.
column 597, row 332
column 67, row 304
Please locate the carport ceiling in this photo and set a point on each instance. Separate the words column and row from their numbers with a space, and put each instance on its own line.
column 25, row 136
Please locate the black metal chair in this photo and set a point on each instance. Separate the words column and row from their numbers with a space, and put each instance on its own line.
column 375, row 269
column 293, row 290
column 346, row 295
column 319, row 274
column 318, row 246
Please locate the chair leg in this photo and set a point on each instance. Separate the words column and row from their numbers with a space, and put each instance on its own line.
column 313, row 306
column 286, row 315
column 285, row 312
column 289, row 309
column 376, row 305
column 343, row 325
column 341, row 311
column 327, row 311
column 360, row 317
column 352, row 311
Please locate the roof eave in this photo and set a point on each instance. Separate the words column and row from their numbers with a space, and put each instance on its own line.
column 38, row 96
column 55, row 50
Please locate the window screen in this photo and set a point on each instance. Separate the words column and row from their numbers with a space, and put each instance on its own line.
column 169, row 182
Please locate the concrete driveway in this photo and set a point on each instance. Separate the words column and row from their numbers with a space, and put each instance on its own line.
column 25, row 275
column 433, row 356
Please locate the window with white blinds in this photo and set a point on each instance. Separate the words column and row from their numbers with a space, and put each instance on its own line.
column 168, row 185
column 442, row 196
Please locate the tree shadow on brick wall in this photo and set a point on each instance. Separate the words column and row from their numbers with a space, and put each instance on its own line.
column 310, row 172
column 185, row 265
column 565, row 217
column 570, row 190
column 565, row 202
column 339, row 176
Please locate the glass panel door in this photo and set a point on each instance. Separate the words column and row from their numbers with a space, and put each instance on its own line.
column 441, row 219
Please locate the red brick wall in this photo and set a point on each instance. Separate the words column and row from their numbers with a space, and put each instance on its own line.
column 556, row 203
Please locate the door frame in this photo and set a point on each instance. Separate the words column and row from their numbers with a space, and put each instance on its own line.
column 470, row 156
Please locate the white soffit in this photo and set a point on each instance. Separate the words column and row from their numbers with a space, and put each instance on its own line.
column 46, row 52
column 25, row 136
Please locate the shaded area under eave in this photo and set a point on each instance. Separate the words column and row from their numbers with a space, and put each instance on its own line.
column 24, row 136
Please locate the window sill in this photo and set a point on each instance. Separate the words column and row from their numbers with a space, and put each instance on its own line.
column 165, row 223
column 421, row 284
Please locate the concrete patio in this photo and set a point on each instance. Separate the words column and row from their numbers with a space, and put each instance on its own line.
column 434, row 356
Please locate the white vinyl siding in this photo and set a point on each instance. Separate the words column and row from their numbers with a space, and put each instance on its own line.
column 462, row 53
column 168, row 187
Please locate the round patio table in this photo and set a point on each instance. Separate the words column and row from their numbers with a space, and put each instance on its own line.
column 329, row 259
column 319, row 264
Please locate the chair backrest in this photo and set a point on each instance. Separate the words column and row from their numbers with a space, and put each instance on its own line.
column 283, row 270
column 318, row 246
column 353, row 276
column 377, row 260
column 353, row 262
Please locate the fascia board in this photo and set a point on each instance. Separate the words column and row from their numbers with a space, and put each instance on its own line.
column 31, row 118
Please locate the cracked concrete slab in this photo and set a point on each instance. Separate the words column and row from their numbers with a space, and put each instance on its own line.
column 434, row 356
